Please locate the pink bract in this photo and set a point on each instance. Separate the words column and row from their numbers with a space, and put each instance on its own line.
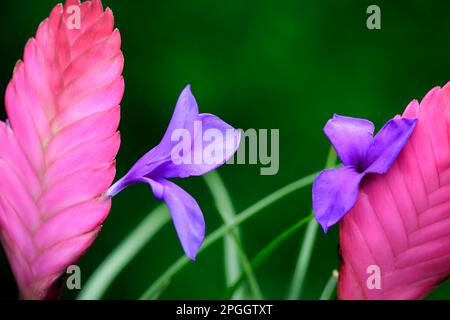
column 401, row 221
column 58, row 147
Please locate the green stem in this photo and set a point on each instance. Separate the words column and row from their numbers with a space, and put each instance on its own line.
column 110, row 268
column 307, row 246
column 224, row 230
column 234, row 251
column 303, row 260
column 328, row 291
column 267, row 251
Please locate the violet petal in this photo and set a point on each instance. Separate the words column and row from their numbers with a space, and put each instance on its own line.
column 184, row 115
column 209, row 144
column 214, row 142
column 350, row 137
column 334, row 193
column 186, row 214
column 387, row 144
column 182, row 152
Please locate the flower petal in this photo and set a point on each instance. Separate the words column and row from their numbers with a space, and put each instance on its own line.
column 186, row 214
column 186, row 111
column 193, row 145
column 351, row 137
column 213, row 143
column 387, row 144
column 334, row 193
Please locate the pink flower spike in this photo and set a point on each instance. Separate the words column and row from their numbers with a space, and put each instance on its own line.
column 58, row 148
column 395, row 242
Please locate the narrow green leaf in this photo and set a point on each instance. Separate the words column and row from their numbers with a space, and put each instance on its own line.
column 126, row 251
column 225, row 229
column 235, row 255
column 304, row 257
column 268, row 250
column 328, row 291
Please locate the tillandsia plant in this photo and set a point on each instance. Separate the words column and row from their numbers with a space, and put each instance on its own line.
column 58, row 149
column 393, row 198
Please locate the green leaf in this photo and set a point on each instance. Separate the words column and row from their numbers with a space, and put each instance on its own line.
column 268, row 250
column 328, row 291
column 304, row 257
column 126, row 251
column 234, row 253
column 226, row 229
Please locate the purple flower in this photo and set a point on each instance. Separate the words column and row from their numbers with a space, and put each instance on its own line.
column 193, row 145
column 335, row 191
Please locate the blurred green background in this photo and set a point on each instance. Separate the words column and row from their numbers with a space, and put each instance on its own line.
column 286, row 65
